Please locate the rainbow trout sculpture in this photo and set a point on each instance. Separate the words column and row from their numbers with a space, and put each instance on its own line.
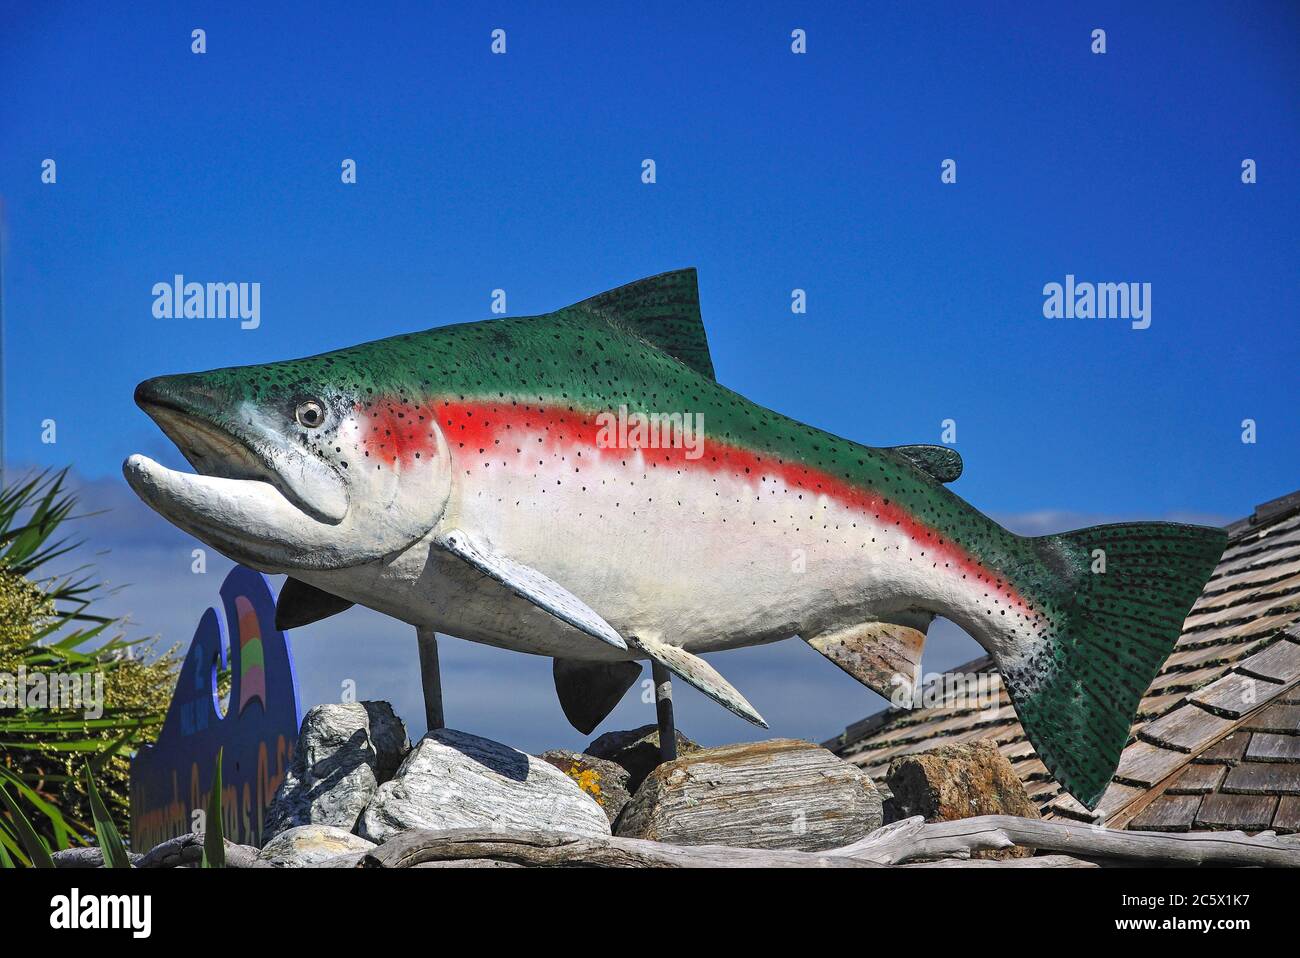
column 578, row 485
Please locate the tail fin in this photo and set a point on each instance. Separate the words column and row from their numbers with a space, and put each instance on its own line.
column 1105, row 636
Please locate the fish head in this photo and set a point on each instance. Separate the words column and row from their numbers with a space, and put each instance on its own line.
column 297, row 465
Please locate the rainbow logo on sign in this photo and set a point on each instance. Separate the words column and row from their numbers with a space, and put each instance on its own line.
column 252, row 665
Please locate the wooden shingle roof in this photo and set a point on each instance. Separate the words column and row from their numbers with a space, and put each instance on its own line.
column 1216, row 744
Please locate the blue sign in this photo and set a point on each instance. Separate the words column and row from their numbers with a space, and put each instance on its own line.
column 172, row 778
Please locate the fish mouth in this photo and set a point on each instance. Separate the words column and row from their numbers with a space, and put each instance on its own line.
column 210, row 450
column 251, row 488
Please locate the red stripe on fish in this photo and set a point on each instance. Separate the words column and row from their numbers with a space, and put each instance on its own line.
column 482, row 433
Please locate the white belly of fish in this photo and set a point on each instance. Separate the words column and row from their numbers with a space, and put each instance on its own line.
column 700, row 560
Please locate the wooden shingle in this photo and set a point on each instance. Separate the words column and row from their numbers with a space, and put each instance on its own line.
column 1280, row 662
column 1185, row 681
column 1197, row 780
column 1262, row 778
column 1227, row 751
column 1154, row 706
column 1246, row 812
column 1287, row 817
column 1269, row 747
column 1281, row 717
column 1235, row 694
column 1168, row 813
column 1189, row 728
column 1145, row 764
column 1190, row 660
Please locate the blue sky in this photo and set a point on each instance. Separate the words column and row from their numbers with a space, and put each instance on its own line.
column 775, row 171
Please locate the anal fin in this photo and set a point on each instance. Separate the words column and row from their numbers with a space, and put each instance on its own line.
column 697, row 672
column 883, row 656
column 589, row 691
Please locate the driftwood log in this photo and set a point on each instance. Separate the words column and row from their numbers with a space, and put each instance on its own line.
column 913, row 839
column 87, row 857
column 470, row 848
column 1041, row 861
column 904, row 842
column 187, row 851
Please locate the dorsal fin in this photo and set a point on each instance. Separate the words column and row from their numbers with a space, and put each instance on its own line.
column 665, row 311
column 938, row 462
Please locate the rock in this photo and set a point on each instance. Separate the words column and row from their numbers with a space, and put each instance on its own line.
column 960, row 781
column 453, row 779
column 311, row 845
column 350, row 860
column 603, row 780
column 388, row 737
column 779, row 794
column 636, row 750
column 344, row 753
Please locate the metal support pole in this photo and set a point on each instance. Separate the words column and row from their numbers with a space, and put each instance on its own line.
column 664, row 711
column 430, row 678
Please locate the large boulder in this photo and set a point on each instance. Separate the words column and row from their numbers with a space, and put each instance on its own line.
column 344, row 753
column 453, row 779
column 782, row 793
column 637, row 750
column 311, row 845
column 604, row 781
column 960, row 781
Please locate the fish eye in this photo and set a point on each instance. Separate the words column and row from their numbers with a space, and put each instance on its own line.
column 309, row 414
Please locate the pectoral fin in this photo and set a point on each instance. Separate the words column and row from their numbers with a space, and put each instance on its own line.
column 883, row 656
column 589, row 691
column 700, row 674
column 528, row 583
column 301, row 604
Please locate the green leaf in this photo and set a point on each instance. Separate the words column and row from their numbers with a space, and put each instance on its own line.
column 34, row 722
column 11, row 847
column 5, row 860
column 25, row 791
column 110, row 842
column 54, row 814
column 214, row 839
column 34, row 845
